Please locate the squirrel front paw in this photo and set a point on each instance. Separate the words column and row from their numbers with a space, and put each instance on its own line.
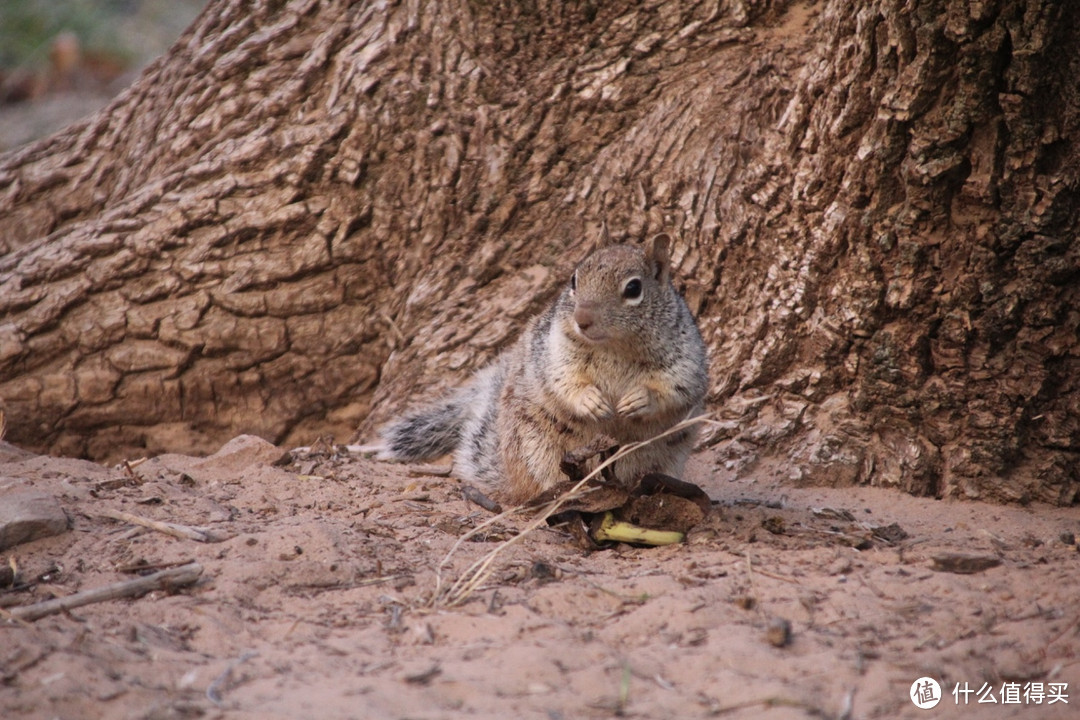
column 592, row 403
column 636, row 402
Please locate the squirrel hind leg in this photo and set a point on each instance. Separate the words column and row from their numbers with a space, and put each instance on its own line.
column 423, row 434
column 477, row 456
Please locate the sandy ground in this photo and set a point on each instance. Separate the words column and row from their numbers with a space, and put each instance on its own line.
column 319, row 603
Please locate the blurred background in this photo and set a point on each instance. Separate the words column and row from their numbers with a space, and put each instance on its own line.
column 61, row 60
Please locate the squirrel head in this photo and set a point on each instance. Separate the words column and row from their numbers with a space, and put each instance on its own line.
column 621, row 292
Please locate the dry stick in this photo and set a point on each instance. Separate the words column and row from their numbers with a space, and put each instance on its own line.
column 143, row 567
column 776, row 576
column 184, row 532
column 163, row 580
column 354, row 449
column 481, row 569
column 769, row 702
column 429, row 469
column 213, row 693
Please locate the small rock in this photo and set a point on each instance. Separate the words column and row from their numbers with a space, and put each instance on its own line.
column 242, row 452
column 891, row 533
column 774, row 524
column 839, row 566
column 543, row 572
column 423, row 677
column 1068, row 538
column 27, row 514
column 746, row 602
column 963, row 564
column 779, row 632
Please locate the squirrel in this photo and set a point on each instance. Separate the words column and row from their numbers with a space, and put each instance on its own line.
column 618, row 353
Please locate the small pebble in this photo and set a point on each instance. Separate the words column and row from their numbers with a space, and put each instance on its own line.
column 746, row 602
column 779, row 633
column 839, row 566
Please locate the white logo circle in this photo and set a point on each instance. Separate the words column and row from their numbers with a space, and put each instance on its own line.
column 925, row 693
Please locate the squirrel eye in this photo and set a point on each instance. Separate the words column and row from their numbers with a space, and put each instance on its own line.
column 573, row 281
column 632, row 289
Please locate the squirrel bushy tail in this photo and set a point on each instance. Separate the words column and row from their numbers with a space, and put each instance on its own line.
column 447, row 424
column 427, row 432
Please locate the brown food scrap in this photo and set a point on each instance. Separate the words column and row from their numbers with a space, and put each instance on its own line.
column 578, row 527
column 574, row 462
column 653, row 483
column 595, row 497
column 661, row 512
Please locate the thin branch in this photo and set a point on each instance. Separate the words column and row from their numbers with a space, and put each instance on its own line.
column 184, row 532
column 163, row 580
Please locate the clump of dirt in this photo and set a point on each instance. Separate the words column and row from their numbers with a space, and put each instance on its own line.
column 316, row 600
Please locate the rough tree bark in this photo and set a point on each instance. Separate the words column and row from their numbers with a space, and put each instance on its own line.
column 308, row 212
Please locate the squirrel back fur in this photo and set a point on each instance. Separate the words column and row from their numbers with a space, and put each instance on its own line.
column 618, row 353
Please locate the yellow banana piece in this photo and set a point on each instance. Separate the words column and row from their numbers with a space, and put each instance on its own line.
column 620, row 531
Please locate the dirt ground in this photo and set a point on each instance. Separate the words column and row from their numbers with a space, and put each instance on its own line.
column 319, row 601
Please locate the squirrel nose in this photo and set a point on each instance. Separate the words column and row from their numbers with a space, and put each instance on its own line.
column 583, row 316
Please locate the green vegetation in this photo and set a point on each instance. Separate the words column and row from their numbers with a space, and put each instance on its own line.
column 132, row 31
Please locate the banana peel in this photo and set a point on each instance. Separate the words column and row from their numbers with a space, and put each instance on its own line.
column 657, row 510
column 606, row 528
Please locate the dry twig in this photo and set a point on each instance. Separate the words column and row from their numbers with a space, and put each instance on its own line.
column 184, row 532
column 213, row 693
column 163, row 580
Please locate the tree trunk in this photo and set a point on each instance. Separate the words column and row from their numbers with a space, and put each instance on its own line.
column 308, row 214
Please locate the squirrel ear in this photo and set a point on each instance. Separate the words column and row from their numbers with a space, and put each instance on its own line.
column 605, row 236
column 659, row 257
